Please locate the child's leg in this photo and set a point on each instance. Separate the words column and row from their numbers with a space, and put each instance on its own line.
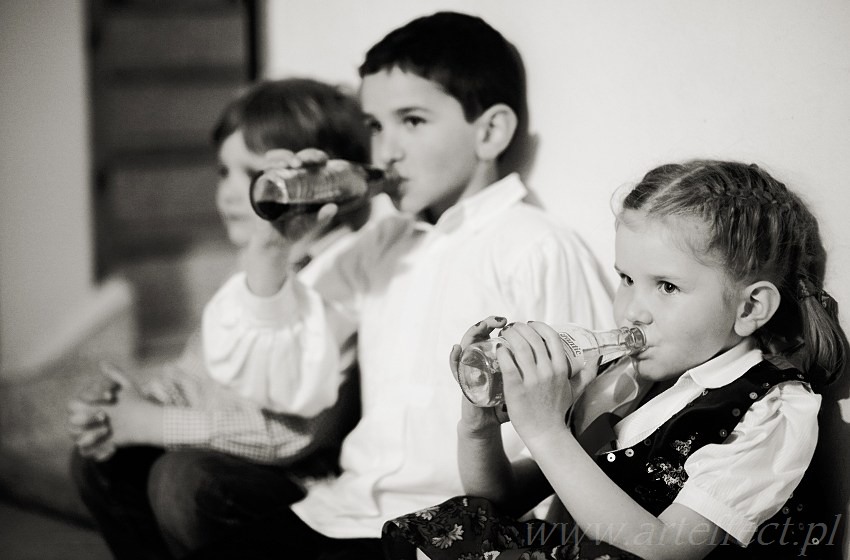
column 199, row 496
column 115, row 493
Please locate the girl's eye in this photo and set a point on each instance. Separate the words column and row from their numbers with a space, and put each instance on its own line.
column 668, row 288
column 626, row 280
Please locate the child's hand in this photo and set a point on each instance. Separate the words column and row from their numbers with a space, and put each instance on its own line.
column 536, row 378
column 274, row 246
column 476, row 421
column 133, row 419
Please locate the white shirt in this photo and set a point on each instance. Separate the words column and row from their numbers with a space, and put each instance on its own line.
column 411, row 290
column 741, row 483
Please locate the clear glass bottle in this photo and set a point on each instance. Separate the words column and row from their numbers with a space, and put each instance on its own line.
column 281, row 192
column 480, row 377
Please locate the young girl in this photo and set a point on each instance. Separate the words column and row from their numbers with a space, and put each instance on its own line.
column 195, row 457
column 723, row 268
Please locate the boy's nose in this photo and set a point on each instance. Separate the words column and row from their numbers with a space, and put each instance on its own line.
column 386, row 151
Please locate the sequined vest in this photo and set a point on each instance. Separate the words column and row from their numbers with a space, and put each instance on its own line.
column 652, row 472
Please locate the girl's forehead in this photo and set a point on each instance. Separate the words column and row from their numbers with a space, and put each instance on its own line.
column 660, row 241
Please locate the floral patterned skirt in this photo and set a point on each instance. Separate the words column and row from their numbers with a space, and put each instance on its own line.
column 469, row 528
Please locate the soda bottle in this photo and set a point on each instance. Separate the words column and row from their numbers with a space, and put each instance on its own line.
column 282, row 192
column 480, row 377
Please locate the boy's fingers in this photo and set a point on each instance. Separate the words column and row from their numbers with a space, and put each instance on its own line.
column 312, row 156
column 92, row 436
column 114, row 373
column 279, row 157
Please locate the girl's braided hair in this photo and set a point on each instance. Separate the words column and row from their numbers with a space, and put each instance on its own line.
column 757, row 230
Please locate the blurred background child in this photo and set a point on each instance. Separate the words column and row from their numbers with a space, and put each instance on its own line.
column 186, row 444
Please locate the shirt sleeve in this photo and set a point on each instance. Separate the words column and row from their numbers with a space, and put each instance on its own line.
column 252, row 433
column 558, row 280
column 742, row 482
column 279, row 351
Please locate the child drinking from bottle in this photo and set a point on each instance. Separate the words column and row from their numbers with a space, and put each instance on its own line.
column 723, row 268
column 184, row 458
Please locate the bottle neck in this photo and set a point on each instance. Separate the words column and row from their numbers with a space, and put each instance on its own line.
column 627, row 339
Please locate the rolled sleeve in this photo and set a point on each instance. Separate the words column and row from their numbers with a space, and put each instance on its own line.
column 741, row 483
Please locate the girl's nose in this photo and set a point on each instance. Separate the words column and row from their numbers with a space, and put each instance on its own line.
column 636, row 312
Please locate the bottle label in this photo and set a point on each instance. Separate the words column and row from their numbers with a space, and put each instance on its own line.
column 570, row 344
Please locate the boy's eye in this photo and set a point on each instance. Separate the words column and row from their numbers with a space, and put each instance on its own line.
column 373, row 126
column 413, row 121
column 668, row 288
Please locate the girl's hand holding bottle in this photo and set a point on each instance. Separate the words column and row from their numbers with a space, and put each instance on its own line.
column 539, row 383
column 477, row 421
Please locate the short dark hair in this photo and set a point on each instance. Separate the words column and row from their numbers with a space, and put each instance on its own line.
column 467, row 57
column 295, row 114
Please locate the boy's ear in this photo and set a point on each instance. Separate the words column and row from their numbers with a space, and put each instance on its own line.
column 756, row 305
column 496, row 128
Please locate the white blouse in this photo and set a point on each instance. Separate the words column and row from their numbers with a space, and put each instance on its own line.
column 743, row 482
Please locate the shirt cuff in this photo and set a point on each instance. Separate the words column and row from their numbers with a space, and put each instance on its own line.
column 267, row 309
column 184, row 427
column 736, row 525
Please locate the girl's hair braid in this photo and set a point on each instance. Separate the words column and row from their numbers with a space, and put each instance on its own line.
column 757, row 230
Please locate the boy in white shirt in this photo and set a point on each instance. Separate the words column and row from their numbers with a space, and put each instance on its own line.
column 443, row 96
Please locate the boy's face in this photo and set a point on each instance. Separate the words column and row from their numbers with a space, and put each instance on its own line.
column 237, row 165
column 684, row 304
column 421, row 132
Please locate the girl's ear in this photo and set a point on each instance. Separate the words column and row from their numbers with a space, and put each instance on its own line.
column 496, row 128
column 757, row 304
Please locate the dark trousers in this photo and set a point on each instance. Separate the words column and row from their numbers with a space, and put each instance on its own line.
column 285, row 537
column 154, row 504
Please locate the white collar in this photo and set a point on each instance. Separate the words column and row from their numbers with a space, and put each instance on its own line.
column 479, row 209
column 717, row 372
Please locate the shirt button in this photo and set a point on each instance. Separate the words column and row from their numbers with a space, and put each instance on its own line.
column 785, row 511
column 736, row 412
column 815, row 540
column 647, row 442
column 611, row 457
column 723, row 433
column 765, row 385
column 630, row 452
column 754, row 395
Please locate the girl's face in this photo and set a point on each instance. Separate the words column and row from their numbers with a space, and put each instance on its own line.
column 237, row 165
column 684, row 305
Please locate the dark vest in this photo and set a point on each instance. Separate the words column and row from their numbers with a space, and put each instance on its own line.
column 652, row 472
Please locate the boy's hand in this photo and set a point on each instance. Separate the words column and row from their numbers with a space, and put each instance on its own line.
column 274, row 246
column 133, row 419
column 476, row 421
column 536, row 377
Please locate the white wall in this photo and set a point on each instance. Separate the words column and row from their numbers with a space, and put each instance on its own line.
column 48, row 298
column 617, row 87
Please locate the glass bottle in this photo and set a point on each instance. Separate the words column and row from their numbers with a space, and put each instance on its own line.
column 281, row 192
column 480, row 377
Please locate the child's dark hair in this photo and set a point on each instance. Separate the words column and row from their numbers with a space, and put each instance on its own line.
column 469, row 59
column 295, row 114
column 757, row 230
